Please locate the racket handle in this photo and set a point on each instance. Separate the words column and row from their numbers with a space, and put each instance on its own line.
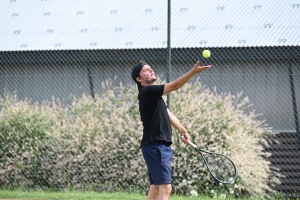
column 190, row 143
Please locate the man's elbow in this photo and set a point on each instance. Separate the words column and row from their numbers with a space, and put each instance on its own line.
column 176, row 87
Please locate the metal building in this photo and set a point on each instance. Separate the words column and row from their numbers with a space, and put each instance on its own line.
column 35, row 34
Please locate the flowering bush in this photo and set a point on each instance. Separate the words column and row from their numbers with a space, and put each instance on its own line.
column 94, row 144
column 222, row 123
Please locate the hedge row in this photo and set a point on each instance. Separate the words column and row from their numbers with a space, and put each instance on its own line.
column 94, row 144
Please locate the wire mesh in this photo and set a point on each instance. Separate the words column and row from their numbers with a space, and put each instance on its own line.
column 60, row 61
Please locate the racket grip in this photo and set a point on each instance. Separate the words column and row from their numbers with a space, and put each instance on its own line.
column 190, row 143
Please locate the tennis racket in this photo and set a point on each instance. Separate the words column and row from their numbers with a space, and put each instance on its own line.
column 221, row 167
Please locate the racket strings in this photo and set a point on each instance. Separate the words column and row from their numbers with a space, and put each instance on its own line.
column 221, row 167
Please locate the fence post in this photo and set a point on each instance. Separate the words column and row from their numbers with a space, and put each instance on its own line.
column 169, row 52
column 294, row 102
column 89, row 73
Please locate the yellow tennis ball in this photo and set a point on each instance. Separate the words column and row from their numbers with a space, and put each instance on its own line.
column 206, row 53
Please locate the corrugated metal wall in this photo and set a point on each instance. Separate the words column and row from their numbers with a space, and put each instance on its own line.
column 285, row 159
column 266, row 82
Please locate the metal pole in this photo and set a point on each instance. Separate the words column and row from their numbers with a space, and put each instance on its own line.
column 91, row 82
column 294, row 102
column 89, row 73
column 169, row 52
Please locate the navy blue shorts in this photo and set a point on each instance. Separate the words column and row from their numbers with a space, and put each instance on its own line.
column 158, row 158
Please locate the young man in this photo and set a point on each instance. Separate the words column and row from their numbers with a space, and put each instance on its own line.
column 157, row 120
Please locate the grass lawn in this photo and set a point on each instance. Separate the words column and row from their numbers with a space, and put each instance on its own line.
column 19, row 194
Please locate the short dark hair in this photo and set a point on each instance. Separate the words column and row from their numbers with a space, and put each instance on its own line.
column 142, row 63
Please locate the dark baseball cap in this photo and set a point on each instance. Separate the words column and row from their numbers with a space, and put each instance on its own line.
column 136, row 72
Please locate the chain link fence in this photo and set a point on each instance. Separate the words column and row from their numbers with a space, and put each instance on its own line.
column 65, row 86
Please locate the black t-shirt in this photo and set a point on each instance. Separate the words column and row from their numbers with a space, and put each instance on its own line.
column 154, row 115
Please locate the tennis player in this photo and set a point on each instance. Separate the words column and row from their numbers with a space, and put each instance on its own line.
column 157, row 120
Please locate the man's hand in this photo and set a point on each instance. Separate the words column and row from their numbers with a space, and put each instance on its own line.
column 197, row 68
column 185, row 138
column 179, row 82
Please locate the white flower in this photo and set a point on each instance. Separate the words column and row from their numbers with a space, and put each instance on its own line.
column 184, row 183
column 231, row 191
column 194, row 176
column 194, row 193
column 223, row 196
column 235, row 186
column 212, row 191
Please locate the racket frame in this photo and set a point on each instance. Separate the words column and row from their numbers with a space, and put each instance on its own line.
column 207, row 165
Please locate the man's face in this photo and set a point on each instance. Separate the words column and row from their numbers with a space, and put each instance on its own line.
column 147, row 75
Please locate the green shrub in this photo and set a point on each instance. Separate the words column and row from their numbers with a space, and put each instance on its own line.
column 25, row 134
column 94, row 144
column 99, row 146
column 220, row 123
